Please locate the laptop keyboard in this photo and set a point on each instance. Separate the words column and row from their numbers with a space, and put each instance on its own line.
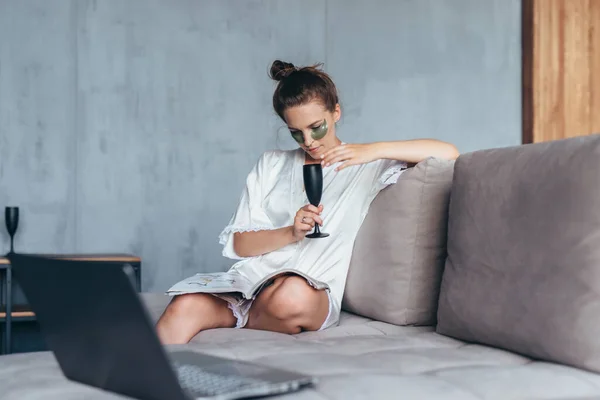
column 203, row 383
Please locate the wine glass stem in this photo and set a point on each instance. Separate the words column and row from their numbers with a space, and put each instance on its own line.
column 317, row 230
column 12, row 244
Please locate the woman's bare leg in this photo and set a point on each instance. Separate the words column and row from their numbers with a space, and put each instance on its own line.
column 188, row 314
column 289, row 305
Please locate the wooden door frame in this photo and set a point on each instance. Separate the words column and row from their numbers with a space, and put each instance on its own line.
column 527, row 97
column 560, row 42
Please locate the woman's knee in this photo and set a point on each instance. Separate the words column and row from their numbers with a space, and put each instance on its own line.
column 293, row 298
column 189, row 314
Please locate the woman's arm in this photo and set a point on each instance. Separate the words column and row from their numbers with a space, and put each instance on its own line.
column 414, row 151
column 256, row 243
column 409, row 151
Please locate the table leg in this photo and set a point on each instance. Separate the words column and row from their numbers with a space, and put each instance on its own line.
column 2, row 294
column 138, row 278
column 8, row 319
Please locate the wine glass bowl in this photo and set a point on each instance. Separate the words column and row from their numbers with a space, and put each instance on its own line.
column 11, row 219
column 313, row 184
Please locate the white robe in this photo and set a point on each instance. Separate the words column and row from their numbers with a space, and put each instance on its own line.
column 273, row 194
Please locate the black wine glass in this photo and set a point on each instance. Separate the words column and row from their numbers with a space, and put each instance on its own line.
column 11, row 218
column 313, row 184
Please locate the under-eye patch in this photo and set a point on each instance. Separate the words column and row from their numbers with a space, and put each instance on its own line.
column 298, row 136
column 320, row 131
column 316, row 133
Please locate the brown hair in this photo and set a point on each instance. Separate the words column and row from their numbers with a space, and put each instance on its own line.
column 298, row 86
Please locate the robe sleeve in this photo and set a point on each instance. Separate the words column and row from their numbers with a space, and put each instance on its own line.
column 388, row 172
column 249, row 215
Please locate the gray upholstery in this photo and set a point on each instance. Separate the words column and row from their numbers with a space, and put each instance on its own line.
column 399, row 252
column 522, row 273
column 523, row 268
column 359, row 359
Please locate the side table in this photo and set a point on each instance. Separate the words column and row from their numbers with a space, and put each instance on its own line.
column 10, row 313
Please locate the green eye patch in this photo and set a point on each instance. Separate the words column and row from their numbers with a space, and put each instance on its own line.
column 317, row 133
column 298, row 136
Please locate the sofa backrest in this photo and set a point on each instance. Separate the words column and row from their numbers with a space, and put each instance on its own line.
column 523, row 266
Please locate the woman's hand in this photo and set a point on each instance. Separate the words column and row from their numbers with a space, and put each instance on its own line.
column 409, row 151
column 305, row 220
column 350, row 154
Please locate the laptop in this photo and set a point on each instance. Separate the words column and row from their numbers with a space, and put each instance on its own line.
column 96, row 325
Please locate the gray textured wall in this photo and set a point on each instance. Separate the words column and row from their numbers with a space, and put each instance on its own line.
column 129, row 126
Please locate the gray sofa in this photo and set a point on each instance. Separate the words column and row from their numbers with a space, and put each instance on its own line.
column 478, row 279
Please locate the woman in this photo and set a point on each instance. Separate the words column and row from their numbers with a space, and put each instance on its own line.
column 267, row 231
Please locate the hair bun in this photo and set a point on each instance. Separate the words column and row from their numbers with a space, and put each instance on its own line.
column 281, row 70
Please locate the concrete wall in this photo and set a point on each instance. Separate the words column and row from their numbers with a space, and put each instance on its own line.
column 130, row 126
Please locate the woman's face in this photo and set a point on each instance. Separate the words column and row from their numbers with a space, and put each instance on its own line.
column 313, row 127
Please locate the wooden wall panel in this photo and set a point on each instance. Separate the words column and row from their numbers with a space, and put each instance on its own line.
column 561, row 64
column 595, row 65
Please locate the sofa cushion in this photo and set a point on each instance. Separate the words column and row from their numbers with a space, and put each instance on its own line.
column 358, row 359
column 523, row 268
column 399, row 251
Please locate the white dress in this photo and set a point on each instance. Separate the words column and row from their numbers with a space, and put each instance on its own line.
column 273, row 194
